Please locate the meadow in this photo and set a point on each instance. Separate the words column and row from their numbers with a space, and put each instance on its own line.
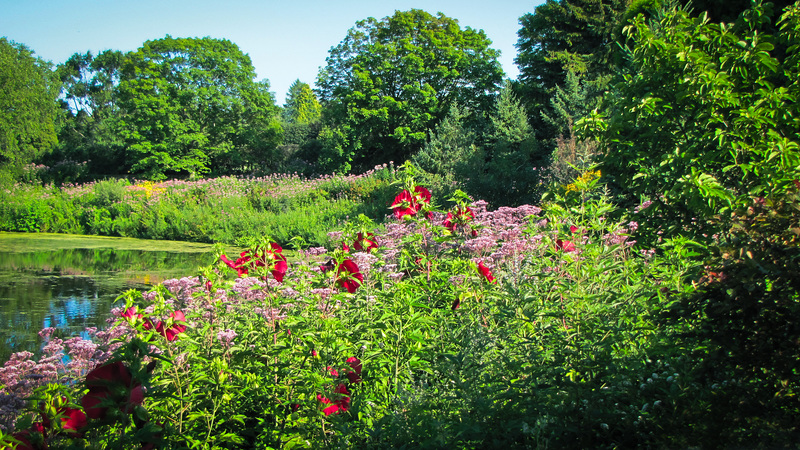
column 225, row 209
column 452, row 326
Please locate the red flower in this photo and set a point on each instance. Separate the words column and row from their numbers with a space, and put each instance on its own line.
column 573, row 229
column 111, row 383
column 74, row 420
column 456, row 304
column 171, row 333
column 460, row 218
column 408, row 204
column 566, row 246
column 330, row 265
column 483, row 270
column 404, row 205
column 272, row 255
column 354, row 375
column 340, row 405
column 365, row 243
column 24, row 438
column 348, row 276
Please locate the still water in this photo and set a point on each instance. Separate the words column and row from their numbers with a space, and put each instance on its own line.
column 71, row 282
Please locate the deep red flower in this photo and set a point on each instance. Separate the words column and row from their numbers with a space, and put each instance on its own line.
column 74, row 420
column 456, row 304
column 178, row 326
column 483, row 270
column 459, row 219
column 348, row 276
column 271, row 257
column 111, row 383
column 408, row 204
column 340, row 405
column 330, row 265
column 365, row 243
column 26, row 436
column 404, row 205
column 566, row 246
column 354, row 375
column 573, row 229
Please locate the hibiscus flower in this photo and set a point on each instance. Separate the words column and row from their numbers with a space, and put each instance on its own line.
column 342, row 404
column 486, row 273
column 178, row 326
column 354, row 375
column 108, row 384
column 348, row 276
column 459, row 219
column 365, row 243
column 408, row 204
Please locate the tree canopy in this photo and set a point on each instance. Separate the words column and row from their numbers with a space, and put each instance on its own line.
column 189, row 105
column 390, row 81
column 28, row 108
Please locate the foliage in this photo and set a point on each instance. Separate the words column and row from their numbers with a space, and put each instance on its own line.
column 190, row 105
column 28, row 92
column 559, row 37
column 213, row 210
column 705, row 122
column 390, row 81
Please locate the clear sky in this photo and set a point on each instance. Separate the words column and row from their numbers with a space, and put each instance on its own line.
column 286, row 39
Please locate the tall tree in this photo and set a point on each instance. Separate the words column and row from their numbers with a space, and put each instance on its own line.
column 559, row 37
column 390, row 81
column 86, row 132
column 301, row 105
column 28, row 108
column 189, row 105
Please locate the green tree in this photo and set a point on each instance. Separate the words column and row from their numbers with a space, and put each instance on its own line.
column 86, row 132
column 559, row 37
column 28, row 107
column 514, row 158
column 191, row 105
column 301, row 106
column 391, row 81
column 706, row 120
column 452, row 152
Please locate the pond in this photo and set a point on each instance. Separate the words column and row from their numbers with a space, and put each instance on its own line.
column 71, row 282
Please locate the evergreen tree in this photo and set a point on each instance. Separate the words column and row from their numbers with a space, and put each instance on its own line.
column 451, row 152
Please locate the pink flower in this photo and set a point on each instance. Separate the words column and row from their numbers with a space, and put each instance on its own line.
column 348, row 276
column 483, row 270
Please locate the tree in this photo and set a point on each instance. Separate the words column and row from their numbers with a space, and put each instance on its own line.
column 86, row 130
column 191, row 105
column 28, row 108
column 391, row 81
column 560, row 37
column 705, row 121
column 514, row 158
column 451, row 152
column 302, row 106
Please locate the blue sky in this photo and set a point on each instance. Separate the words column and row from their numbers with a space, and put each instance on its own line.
column 286, row 40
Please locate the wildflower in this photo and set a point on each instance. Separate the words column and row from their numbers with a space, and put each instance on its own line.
column 486, row 273
column 271, row 257
column 337, row 406
column 177, row 328
column 348, row 276
column 566, row 246
column 408, row 204
column 111, row 383
column 365, row 243
column 459, row 219
column 354, row 375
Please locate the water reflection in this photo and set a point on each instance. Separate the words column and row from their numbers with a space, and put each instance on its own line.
column 75, row 288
